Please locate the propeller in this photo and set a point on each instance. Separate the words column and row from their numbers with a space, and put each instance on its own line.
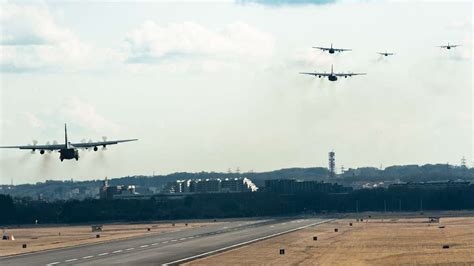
column 104, row 147
column 89, row 142
column 34, row 144
column 48, row 143
column 83, row 141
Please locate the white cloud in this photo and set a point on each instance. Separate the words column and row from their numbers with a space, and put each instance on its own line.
column 31, row 40
column 34, row 121
column 189, row 42
column 86, row 116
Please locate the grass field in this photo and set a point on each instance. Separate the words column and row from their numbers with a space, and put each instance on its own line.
column 371, row 242
column 43, row 238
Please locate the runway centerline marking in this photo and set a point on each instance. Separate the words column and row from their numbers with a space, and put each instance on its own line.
column 52, row 263
column 103, row 254
column 144, row 246
column 130, row 248
column 117, row 251
column 70, row 260
column 154, row 244
column 87, row 257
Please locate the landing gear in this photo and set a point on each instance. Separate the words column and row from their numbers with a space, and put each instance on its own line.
column 76, row 157
column 61, row 159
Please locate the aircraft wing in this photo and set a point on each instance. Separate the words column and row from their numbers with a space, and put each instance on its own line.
column 322, row 48
column 316, row 74
column 52, row 147
column 99, row 143
column 446, row 46
column 386, row 53
column 341, row 50
column 348, row 74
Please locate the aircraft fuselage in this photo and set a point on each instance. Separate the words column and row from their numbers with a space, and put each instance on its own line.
column 332, row 78
column 331, row 51
column 68, row 154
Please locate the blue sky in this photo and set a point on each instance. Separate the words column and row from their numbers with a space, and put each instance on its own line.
column 212, row 86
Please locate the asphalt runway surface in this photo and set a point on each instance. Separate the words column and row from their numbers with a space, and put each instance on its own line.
column 167, row 248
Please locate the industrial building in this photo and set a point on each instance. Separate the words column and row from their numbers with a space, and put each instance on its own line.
column 431, row 185
column 218, row 185
column 293, row 186
column 110, row 192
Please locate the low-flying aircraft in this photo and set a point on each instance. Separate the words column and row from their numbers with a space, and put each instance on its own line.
column 68, row 150
column 331, row 49
column 331, row 76
column 449, row 46
column 386, row 54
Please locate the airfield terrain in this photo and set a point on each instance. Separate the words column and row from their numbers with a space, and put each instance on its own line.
column 370, row 242
column 169, row 247
column 50, row 237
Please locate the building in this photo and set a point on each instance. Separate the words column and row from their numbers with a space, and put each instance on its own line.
column 293, row 186
column 431, row 185
column 217, row 185
column 109, row 192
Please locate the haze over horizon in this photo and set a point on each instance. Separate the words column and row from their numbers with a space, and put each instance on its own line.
column 212, row 86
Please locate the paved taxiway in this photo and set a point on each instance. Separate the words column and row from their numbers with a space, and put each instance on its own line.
column 173, row 247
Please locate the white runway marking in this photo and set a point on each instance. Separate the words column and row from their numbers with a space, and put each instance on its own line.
column 244, row 243
column 182, row 238
column 52, row 263
column 70, row 260
column 130, row 248
column 87, row 257
column 154, row 244
column 164, row 242
column 117, row 251
column 144, row 246
column 103, row 254
column 174, row 240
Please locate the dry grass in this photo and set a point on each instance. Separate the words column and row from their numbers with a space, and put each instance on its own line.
column 376, row 242
column 43, row 238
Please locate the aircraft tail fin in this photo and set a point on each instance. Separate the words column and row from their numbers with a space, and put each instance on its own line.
column 332, row 69
column 65, row 135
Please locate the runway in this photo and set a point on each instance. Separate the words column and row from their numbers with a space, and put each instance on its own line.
column 166, row 248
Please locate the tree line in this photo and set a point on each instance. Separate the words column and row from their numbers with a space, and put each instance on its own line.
column 224, row 205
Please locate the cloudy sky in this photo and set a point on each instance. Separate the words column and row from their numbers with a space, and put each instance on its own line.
column 212, row 86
